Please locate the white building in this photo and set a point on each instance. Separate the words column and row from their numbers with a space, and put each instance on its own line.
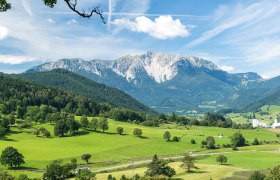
column 276, row 124
column 256, row 123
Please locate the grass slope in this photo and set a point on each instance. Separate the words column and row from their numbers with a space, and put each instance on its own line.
column 39, row 151
column 83, row 86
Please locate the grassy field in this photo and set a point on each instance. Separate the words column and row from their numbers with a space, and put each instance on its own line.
column 39, row 151
column 205, row 171
column 238, row 163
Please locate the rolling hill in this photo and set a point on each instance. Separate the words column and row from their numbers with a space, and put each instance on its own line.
column 71, row 82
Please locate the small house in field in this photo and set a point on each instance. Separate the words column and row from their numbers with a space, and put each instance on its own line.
column 256, row 123
column 276, row 124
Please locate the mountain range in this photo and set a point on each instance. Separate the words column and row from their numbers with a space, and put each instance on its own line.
column 170, row 82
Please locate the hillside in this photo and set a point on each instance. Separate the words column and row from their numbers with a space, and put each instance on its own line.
column 20, row 96
column 272, row 98
column 170, row 82
column 83, row 86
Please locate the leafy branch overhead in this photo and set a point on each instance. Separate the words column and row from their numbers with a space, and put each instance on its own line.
column 72, row 5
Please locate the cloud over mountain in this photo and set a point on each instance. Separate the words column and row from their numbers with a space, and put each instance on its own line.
column 163, row 27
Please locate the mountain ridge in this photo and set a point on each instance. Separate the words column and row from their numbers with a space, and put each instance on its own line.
column 168, row 80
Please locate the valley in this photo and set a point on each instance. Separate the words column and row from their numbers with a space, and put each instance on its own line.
column 110, row 149
column 63, row 119
column 139, row 90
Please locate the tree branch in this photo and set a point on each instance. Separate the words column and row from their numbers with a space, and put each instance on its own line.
column 72, row 4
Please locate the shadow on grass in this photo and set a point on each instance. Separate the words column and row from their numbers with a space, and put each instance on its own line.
column 11, row 132
column 142, row 137
column 24, row 168
column 226, row 164
column 8, row 139
column 101, row 132
column 80, row 133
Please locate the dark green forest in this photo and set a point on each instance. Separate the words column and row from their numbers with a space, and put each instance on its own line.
column 71, row 82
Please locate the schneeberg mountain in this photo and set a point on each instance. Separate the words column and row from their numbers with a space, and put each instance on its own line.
column 170, row 82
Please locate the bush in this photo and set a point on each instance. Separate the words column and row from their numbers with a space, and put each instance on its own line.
column 137, row 132
column 221, row 159
column 204, row 143
column 256, row 142
column 257, row 175
column 237, row 139
column 120, row 130
column 176, row 139
column 193, row 141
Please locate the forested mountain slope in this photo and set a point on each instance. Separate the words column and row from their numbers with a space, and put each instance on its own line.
column 71, row 82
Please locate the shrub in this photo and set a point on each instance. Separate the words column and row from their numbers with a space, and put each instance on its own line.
column 256, row 142
column 221, row 159
column 137, row 132
column 176, row 139
column 193, row 141
column 120, row 130
column 257, row 175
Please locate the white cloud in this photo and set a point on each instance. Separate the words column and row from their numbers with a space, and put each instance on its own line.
column 239, row 16
column 50, row 20
column 12, row 59
column 163, row 27
column 3, row 32
column 27, row 7
column 72, row 21
column 227, row 68
column 36, row 38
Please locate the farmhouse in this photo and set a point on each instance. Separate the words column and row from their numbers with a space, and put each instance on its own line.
column 276, row 124
column 256, row 123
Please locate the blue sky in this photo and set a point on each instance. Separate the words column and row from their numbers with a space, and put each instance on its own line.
column 239, row 36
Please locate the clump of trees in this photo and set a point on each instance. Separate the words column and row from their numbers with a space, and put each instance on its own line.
column 66, row 124
column 58, row 170
column 209, row 143
column 167, row 137
column 43, row 131
column 210, row 119
column 159, row 167
column 5, row 123
column 237, row 140
column 11, row 157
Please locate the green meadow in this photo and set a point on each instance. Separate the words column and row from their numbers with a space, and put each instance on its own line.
column 109, row 146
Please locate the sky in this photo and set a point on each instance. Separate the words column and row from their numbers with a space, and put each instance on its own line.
column 237, row 35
